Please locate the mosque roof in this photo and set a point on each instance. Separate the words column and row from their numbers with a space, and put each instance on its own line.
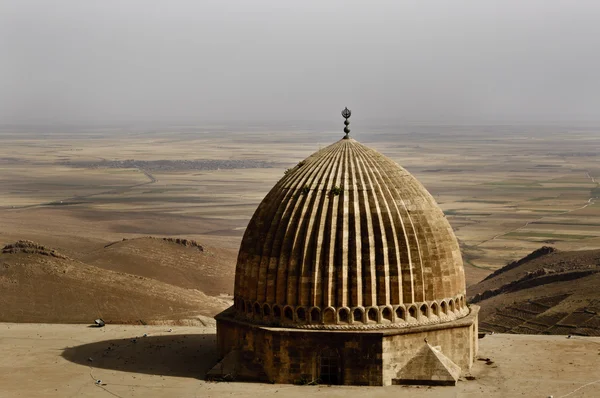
column 348, row 238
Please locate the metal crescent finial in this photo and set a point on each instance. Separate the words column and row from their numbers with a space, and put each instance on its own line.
column 346, row 113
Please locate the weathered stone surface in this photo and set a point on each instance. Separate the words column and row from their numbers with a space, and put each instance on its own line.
column 347, row 265
column 348, row 237
column 429, row 366
column 372, row 357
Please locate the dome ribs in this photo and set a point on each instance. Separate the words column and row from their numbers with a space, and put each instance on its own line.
column 428, row 239
column 330, row 234
column 326, row 235
column 377, row 240
column 313, row 270
column 250, row 249
column 272, row 245
column 417, row 236
column 284, row 233
column 295, row 230
column 385, row 186
column 367, row 264
column 308, row 270
column 285, row 189
column 263, row 241
column 298, row 280
column 404, row 264
column 412, row 251
column 341, row 254
column 402, row 227
column 444, row 259
column 379, row 234
column 354, row 242
column 317, row 294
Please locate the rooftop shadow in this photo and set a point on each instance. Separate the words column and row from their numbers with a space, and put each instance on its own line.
column 181, row 355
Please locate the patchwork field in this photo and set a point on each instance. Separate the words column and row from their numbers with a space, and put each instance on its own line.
column 506, row 190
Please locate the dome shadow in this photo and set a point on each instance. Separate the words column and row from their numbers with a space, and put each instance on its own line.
column 179, row 355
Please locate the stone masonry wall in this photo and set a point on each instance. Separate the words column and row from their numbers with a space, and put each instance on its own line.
column 289, row 355
column 292, row 356
column 458, row 343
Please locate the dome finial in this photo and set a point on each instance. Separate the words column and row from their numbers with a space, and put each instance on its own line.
column 346, row 114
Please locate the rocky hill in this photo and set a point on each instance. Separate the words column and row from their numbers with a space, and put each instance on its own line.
column 27, row 246
column 546, row 292
column 145, row 280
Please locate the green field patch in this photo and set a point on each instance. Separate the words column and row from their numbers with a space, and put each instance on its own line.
column 575, row 224
column 541, row 198
column 514, row 183
column 561, row 181
column 546, row 235
column 451, row 212
column 547, row 211
column 567, row 189
column 167, row 190
column 472, row 264
column 454, row 212
column 495, row 202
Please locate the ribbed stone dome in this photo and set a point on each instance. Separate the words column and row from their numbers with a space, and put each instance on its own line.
column 348, row 239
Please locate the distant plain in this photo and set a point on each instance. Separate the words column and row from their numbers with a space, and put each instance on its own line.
column 506, row 190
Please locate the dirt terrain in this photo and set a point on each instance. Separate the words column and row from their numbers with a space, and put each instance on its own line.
column 546, row 292
column 94, row 195
column 144, row 280
column 208, row 269
column 68, row 360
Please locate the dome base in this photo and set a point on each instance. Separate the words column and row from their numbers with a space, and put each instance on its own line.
column 365, row 357
column 352, row 318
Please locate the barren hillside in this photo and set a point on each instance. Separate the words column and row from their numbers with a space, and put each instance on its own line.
column 546, row 292
column 40, row 284
column 179, row 262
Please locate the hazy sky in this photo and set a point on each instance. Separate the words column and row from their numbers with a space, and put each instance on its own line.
column 73, row 61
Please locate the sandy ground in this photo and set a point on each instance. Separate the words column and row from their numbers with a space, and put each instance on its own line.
column 66, row 360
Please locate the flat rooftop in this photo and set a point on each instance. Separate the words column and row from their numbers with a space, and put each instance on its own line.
column 53, row 360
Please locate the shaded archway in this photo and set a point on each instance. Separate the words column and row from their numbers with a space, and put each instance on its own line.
column 288, row 313
column 400, row 314
column 372, row 314
column 315, row 315
column 329, row 316
column 301, row 314
column 386, row 314
column 444, row 308
column 266, row 310
column 412, row 311
column 358, row 315
column 344, row 316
